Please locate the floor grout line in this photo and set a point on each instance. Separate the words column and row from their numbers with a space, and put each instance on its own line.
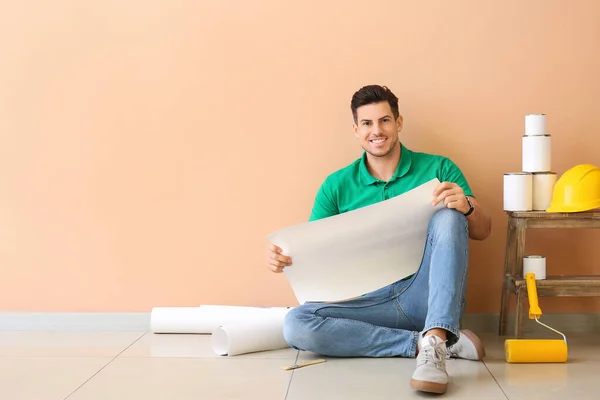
column 292, row 375
column 107, row 364
column 495, row 380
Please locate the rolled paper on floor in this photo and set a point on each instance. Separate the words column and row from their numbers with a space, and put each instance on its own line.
column 235, row 338
column 536, row 265
column 180, row 320
column 543, row 188
column 207, row 318
column 535, row 124
column 537, row 152
column 518, row 191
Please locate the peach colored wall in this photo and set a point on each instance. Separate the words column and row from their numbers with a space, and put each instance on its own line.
column 147, row 147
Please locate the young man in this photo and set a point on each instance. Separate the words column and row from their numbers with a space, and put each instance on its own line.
column 418, row 315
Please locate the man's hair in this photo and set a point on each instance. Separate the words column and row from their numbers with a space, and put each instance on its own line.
column 374, row 94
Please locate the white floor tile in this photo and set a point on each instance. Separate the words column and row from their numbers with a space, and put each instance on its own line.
column 45, row 378
column 65, row 344
column 384, row 378
column 183, row 379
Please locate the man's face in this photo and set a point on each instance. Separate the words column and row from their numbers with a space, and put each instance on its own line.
column 376, row 129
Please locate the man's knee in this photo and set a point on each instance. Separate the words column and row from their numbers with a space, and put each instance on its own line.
column 448, row 220
column 295, row 327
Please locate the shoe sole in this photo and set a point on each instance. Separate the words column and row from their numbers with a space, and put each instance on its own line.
column 476, row 342
column 429, row 387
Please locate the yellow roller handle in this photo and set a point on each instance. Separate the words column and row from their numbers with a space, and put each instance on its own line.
column 534, row 308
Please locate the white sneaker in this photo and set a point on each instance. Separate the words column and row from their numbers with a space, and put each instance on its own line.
column 430, row 375
column 469, row 347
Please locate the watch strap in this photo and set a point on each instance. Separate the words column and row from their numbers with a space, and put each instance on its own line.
column 470, row 209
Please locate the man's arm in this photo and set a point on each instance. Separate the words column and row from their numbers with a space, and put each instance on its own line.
column 454, row 190
column 480, row 223
column 325, row 204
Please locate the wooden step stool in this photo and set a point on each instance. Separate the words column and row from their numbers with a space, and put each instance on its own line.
column 553, row 285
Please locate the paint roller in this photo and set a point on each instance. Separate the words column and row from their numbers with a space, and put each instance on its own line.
column 536, row 350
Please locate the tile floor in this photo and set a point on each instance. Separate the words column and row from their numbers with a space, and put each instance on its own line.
column 139, row 365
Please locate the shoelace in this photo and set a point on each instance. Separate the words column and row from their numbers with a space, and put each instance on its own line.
column 435, row 352
column 452, row 351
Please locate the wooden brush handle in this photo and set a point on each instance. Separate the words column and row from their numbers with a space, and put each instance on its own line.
column 305, row 364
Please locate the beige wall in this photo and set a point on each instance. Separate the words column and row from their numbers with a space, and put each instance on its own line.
column 147, row 147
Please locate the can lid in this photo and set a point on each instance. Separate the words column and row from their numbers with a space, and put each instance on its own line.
column 544, row 173
column 518, row 173
column 534, row 114
column 545, row 134
column 535, row 256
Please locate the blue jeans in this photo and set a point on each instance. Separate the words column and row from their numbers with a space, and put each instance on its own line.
column 387, row 322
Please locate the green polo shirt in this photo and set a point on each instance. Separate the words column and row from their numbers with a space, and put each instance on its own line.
column 354, row 187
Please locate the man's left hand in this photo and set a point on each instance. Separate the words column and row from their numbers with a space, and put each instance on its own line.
column 452, row 195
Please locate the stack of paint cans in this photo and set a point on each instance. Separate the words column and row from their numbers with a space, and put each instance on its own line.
column 531, row 189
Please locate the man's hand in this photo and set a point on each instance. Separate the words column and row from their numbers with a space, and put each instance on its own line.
column 452, row 195
column 276, row 261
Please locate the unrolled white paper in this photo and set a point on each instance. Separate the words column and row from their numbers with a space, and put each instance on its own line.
column 518, row 191
column 350, row 254
column 535, row 124
column 236, row 338
column 207, row 318
column 537, row 151
column 535, row 265
column 543, row 188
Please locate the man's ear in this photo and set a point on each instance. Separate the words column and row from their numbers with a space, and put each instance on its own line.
column 355, row 129
column 399, row 123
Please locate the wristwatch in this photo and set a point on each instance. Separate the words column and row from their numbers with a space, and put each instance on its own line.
column 470, row 209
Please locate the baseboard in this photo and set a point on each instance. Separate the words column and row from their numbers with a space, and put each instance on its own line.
column 74, row 321
column 564, row 322
column 481, row 323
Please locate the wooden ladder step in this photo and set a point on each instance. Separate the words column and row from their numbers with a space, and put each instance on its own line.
column 564, row 285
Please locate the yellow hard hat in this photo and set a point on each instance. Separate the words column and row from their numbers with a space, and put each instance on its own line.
column 578, row 189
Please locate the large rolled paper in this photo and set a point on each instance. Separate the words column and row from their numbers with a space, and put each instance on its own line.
column 535, row 124
column 537, row 152
column 518, row 191
column 353, row 253
column 235, row 338
column 207, row 318
column 179, row 320
column 543, row 188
